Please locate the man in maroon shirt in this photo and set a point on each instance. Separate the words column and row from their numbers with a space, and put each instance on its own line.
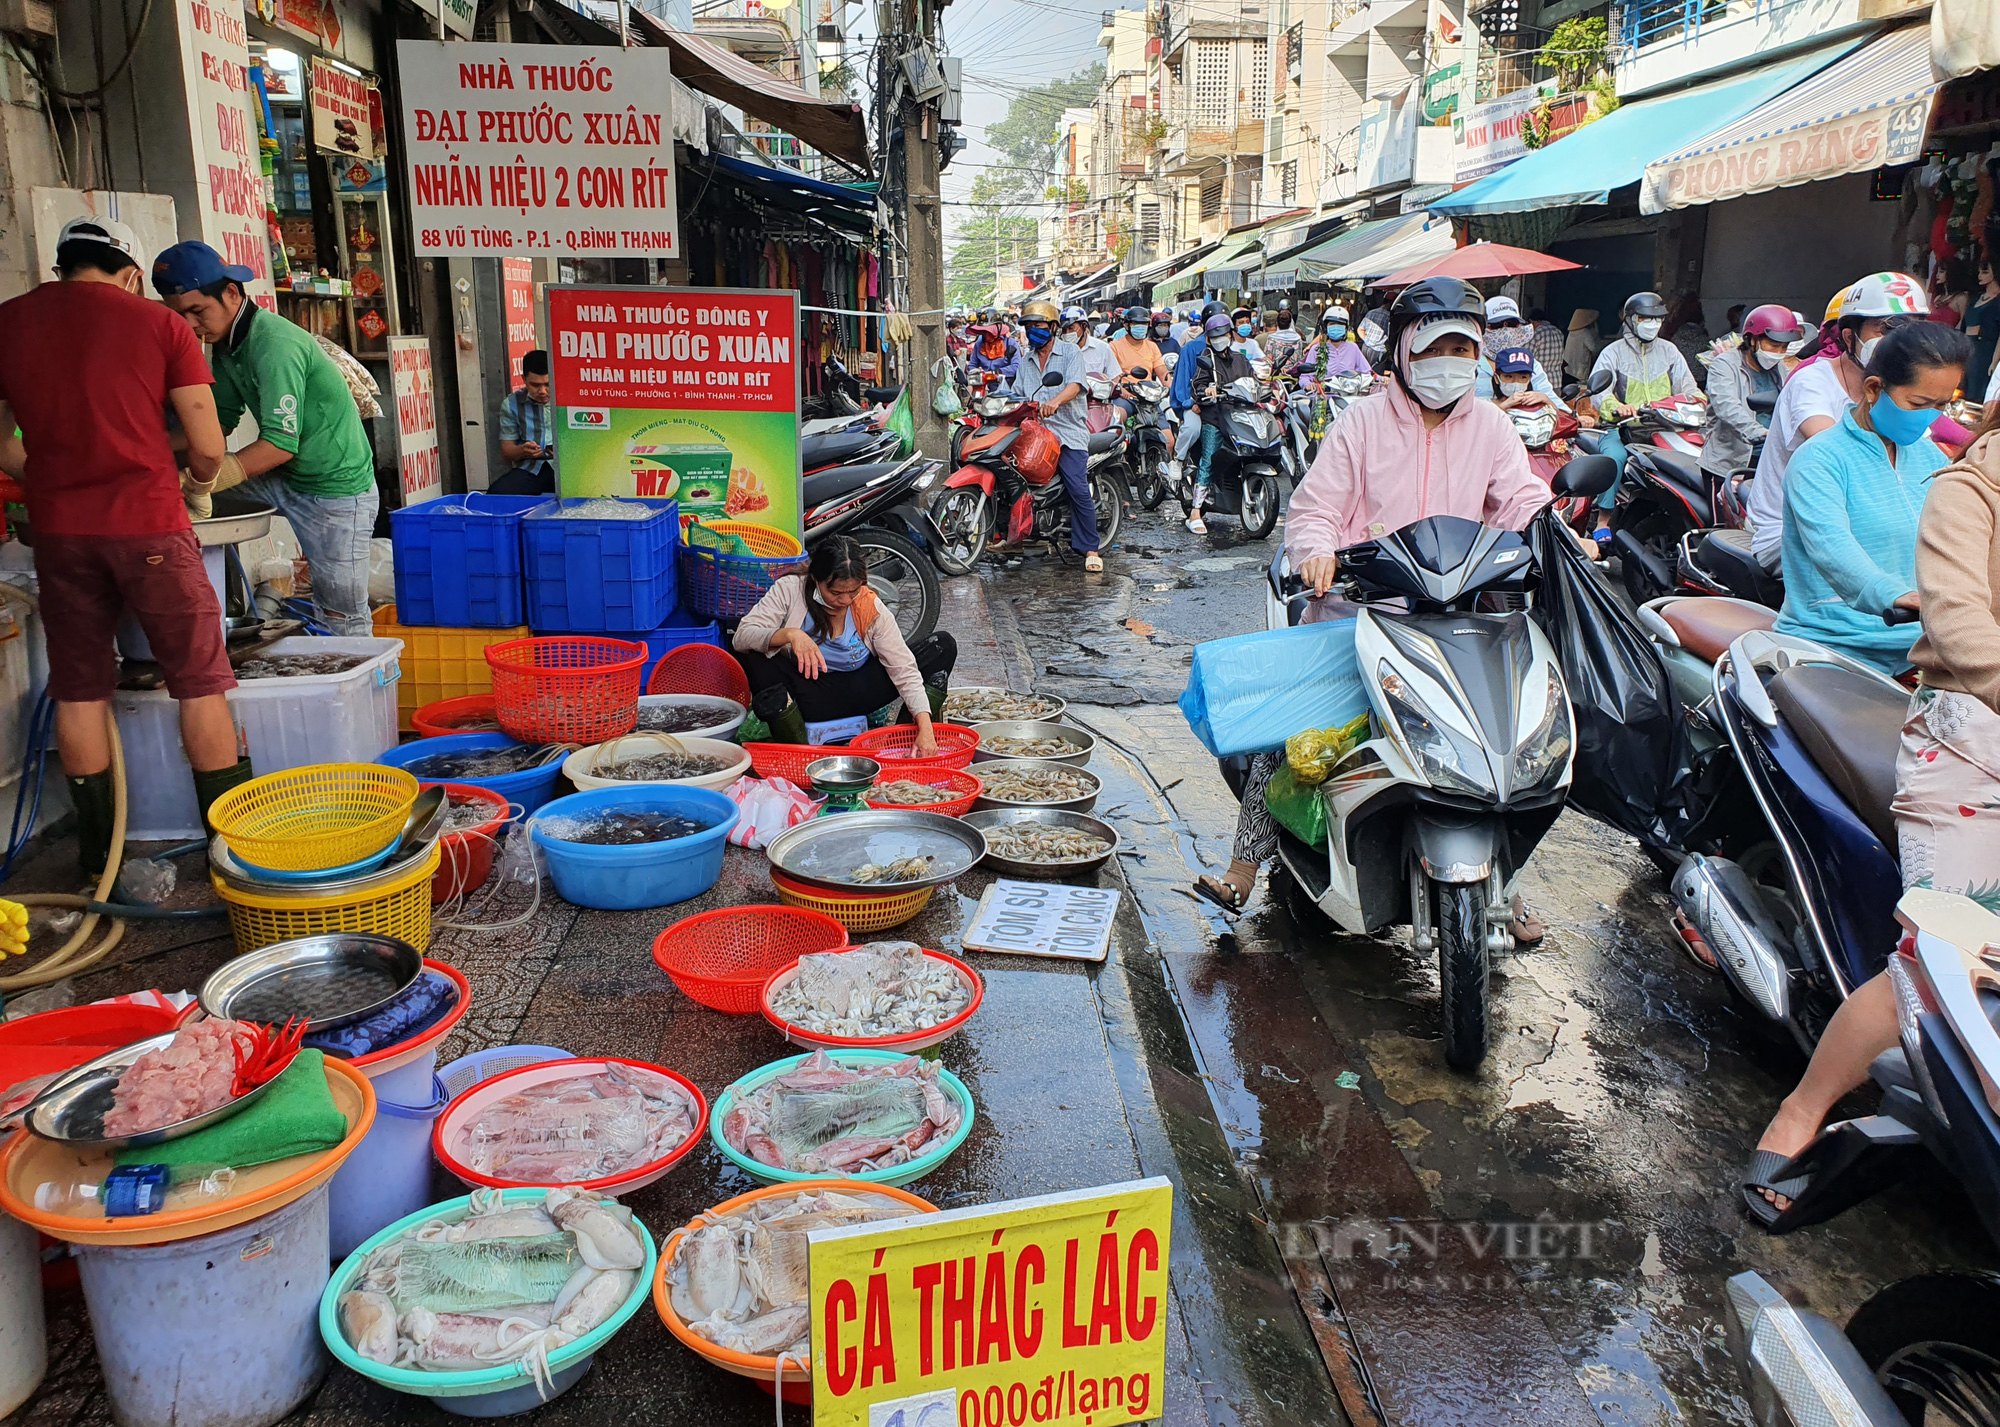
column 88, row 371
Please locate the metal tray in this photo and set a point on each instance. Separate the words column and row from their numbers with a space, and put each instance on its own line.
column 234, row 522
column 822, row 851
column 225, row 866
column 1061, row 705
column 377, row 969
column 1047, row 817
column 986, row 802
column 71, row 1111
column 1069, row 733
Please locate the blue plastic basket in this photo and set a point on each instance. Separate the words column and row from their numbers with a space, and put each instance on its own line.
column 586, row 575
column 531, row 787
column 458, row 561
column 681, row 627
column 719, row 586
column 468, row 1070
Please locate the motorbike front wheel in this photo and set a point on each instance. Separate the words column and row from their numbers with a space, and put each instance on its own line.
column 1151, row 487
column 1260, row 506
column 904, row 581
column 1934, row 1343
column 1110, row 502
column 1458, row 911
column 964, row 519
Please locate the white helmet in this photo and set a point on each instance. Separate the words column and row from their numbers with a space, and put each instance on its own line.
column 1885, row 295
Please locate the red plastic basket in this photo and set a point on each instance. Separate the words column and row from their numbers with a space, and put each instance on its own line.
column 891, row 746
column 467, row 858
column 700, row 669
column 967, row 785
column 722, row 959
column 449, row 716
column 787, row 760
column 569, row 688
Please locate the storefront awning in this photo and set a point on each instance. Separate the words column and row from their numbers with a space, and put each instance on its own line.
column 1087, row 288
column 1583, row 167
column 1415, row 246
column 1156, row 272
column 833, row 126
column 1866, row 110
column 1320, row 262
column 1228, row 254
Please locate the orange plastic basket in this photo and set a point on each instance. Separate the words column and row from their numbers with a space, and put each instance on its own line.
column 857, row 911
column 891, row 746
column 569, row 688
column 966, row 786
column 787, row 760
column 722, row 959
column 449, row 716
column 700, row 669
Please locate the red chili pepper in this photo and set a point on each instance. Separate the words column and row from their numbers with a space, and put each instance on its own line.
column 267, row 1055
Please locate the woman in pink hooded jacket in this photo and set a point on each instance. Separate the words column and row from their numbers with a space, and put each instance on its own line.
column 1424, row 445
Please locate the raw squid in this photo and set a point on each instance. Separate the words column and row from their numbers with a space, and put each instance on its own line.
column 581, row 1128
column 886, row 988
column 822, row 1118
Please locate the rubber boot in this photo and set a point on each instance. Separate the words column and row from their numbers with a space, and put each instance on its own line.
column 781, row 711
column 210, row 786
column 96, row 814
column 936, row 694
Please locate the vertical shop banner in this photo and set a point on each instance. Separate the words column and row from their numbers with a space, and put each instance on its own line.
column 415, row 395
column 517, row 291
column 691, row 393
column 516, row 150
column 228, row 173
column 340, row 118
column 1050, row 1311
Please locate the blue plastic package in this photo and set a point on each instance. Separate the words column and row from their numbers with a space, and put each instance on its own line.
column 1250, row 692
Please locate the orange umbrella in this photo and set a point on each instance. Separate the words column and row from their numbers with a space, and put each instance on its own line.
column 1477, row 260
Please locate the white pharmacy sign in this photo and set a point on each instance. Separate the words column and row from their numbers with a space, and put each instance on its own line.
column 1044, row 919
column 539, row 150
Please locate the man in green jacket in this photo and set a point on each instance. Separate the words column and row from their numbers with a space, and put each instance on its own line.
column 312, row 460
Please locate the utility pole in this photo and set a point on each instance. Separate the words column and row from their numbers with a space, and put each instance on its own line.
column 925, row 238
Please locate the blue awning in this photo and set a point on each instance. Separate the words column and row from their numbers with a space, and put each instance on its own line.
column 1583, row 167
column 800, row 186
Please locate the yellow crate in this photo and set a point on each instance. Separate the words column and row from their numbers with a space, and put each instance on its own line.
column 440, row 663
column 401, row 909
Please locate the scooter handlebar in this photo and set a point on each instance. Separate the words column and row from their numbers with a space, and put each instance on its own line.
column 1896, row 614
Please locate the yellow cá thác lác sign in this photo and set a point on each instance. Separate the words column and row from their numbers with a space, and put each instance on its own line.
column 1048, row 1311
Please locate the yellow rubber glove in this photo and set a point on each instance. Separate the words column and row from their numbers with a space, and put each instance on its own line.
column 13, row 929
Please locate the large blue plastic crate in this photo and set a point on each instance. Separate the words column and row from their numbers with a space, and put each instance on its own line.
column 681, row 627
column 458, row 561
column 586, row 575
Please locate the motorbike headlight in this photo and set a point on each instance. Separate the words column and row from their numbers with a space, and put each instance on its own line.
column 1544, row 753
column 1449, row 761
column 924, row 481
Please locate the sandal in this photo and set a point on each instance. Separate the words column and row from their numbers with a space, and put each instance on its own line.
column 1094, row 563
column 1526, row 928
column 1196, row 524
column 1758, row 1175
column 1225, row 893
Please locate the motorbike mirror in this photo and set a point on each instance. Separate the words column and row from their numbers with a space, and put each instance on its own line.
column 1171, row 360
column 1052, row 379
column 1601, row 382
column 1570, row 389
column 1138, row 372
column 1764, row 401
column 1585, row 476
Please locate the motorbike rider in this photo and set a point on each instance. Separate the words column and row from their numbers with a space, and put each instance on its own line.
column 1134, row 347
column 1821, row 389
column 1332, row 353
column 1422, row 446
column 1852, row 494
column 1514, row 378
column 1061, row 408
column 1281, row 339
column 1245, row 326
column 993, row 350
column 1198, row 386
column 958, row 342
column 1645, row 368
column 1098, row 360
column 1754, row 367
column 1180, row 405
column 1163, row 332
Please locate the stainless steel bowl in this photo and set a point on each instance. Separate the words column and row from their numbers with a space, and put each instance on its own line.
column 235, row 520
column 1069, row 733
column 1050, row 717
column 1083, row 804
column 71, row 1110
column 225, row 866
column 356, row 973
column 823, row 851
column 1043, row 817
column 843, row 773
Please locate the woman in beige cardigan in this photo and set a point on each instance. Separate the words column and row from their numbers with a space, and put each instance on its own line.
column 1947, row 786
column 821, row 655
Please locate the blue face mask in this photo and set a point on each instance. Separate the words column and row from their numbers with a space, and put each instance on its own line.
column 1039, row 336
column 1335, row 332
column 1898, row 425
column 1137, row 334
column 1243, row 329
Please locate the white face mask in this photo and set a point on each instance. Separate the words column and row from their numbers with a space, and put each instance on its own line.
column 1646, row 328
column 1866, row 350
column 1769, row 360
column 1439, row 381
column 1508, row 389
column 1070, row 339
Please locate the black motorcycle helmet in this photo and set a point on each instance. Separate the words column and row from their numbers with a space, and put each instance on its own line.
column 1643, row 304
column 1210, row 309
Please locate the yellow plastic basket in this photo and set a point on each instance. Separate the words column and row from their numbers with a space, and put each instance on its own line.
column 871, row 913
column 440, row 663
column 401, row 909
column 313, row 818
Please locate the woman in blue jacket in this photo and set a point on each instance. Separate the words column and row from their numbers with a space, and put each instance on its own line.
column 1853, row 494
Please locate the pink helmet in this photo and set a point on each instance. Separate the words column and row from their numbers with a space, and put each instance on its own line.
column 1772, row 321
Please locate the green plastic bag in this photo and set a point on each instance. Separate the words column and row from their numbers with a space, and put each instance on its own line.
column 903, row 422
column 1297, row 806
column 720, row 541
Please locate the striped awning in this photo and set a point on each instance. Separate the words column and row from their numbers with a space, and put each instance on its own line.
column 1861, row 112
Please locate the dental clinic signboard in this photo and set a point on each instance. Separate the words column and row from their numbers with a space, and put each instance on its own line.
column 683, row 393
column 1051, row 1311
column 518, row 151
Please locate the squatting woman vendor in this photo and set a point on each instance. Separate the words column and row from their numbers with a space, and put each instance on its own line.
column 819, row 650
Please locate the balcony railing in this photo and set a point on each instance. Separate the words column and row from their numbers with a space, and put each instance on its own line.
column 1649, row 22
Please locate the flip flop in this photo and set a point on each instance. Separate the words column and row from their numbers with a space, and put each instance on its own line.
column 1517, row 928
column 1220, row 893
column 1758, row 1175
column 1094, row 563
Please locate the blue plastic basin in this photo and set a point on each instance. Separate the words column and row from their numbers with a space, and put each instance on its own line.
column 649, row 874
column 531, row 787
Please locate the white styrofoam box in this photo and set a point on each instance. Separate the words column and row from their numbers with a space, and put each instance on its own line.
column 286, row 723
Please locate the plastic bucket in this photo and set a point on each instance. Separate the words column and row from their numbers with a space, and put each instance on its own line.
column 531, row 787
column 468, row 856
column 221, row 1330
column 388, row 1177
column 24, row 1338
column 650, row 874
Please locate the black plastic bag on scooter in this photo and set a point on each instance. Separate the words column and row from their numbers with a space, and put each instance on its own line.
column 1632, row 766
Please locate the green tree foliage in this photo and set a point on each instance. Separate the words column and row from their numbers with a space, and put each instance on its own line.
column 969, row 264
column 1578, row 49
column 1027, row 137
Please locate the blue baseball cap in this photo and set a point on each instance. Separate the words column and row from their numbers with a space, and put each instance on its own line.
column 1515, row 362
column 187, row 266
